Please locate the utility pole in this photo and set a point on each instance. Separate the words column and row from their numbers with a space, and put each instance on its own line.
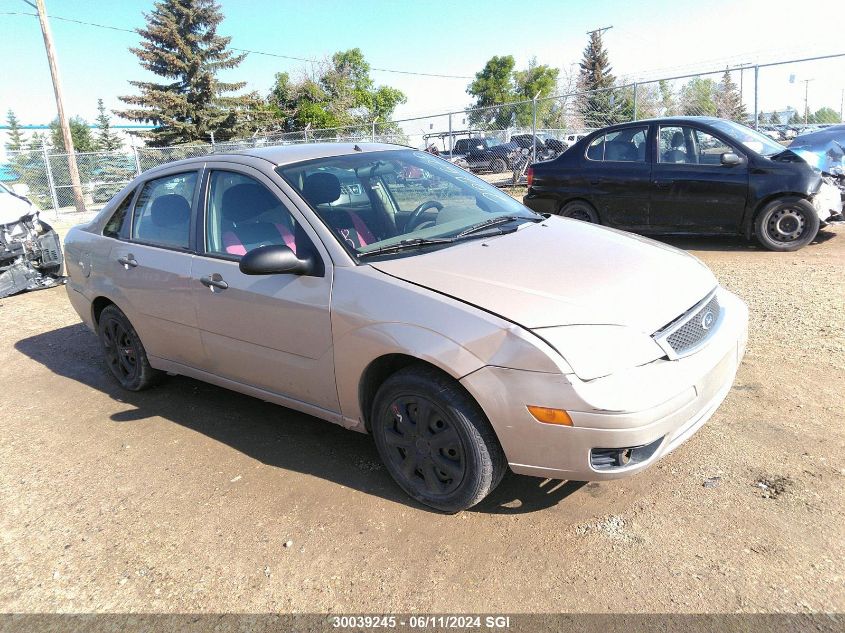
column 806, row 90
column 63, row 121
column 599, row 31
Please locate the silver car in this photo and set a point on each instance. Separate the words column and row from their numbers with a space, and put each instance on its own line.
column 390, row 292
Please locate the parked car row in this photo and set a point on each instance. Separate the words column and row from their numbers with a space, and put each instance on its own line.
column 688, row 175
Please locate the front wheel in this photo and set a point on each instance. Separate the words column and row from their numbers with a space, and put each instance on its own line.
column 786, row 224
column 123, row 351
column 435, row 440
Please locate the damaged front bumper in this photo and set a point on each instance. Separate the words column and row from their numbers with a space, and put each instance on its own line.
column 30, row 256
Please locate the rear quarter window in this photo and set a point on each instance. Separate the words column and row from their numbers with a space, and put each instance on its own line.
column 118, row 224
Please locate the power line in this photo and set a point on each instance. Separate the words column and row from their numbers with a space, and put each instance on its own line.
column 244, row 50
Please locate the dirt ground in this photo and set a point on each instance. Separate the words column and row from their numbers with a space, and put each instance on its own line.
column 182, row 498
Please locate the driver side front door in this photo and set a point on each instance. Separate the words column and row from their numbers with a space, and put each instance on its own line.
column 270, row 332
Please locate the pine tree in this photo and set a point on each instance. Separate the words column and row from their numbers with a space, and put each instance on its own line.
column 595, row 78
column 181, row 45
column 15, row 141
column 728, row 100
column 106, row 140
column 775, row 118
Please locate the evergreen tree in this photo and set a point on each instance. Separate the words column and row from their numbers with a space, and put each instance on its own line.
column 775, row 118
column 80, row 134
column 728, row 100
column 761, row 117
column 826, row 115
column 181, row 45
column 15, row 140
column 598, row 105
column 106, row 141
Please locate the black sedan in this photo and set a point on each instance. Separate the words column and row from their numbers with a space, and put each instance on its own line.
column 686, row 175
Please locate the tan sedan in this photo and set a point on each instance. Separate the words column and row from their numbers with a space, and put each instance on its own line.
column 388, row 291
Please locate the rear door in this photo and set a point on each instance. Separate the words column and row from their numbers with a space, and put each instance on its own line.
column 272, row 332
column 617, row 171
column 150, row 266
column 692, row 190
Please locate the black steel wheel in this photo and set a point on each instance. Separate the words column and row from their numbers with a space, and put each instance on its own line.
column 123, row 351
column 580, row 210
column 787, row 224
column 434, row 439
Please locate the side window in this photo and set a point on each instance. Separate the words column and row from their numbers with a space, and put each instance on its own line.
column 163, row 211
column 242, row 214
column 118, row 225
column 676, row 145
column 710, row 148
column 626, row 146
column 595, row 151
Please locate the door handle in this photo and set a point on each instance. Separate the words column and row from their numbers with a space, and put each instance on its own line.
column 214, row 281
column 662, row 184
column 128, row 261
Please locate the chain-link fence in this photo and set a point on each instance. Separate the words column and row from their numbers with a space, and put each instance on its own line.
column 495, row 142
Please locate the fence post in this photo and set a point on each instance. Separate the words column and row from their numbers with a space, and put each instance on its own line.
column 636, row 85
column 374, row 129
column 756, row 92
column 50, row 181
column 451, row 142
column 534, row 128
column 137, row 160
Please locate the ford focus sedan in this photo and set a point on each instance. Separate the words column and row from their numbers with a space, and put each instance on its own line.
column 390, row 292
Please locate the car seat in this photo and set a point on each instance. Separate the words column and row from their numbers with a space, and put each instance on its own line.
column 323, row 188
column 242, row 205
column 677, row 152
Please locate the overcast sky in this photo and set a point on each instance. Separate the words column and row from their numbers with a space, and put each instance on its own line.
column 650, row 38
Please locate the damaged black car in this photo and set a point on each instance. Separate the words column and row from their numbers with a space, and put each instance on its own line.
column 30, row 250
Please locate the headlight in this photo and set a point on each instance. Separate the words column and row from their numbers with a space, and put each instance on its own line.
column 594, row 351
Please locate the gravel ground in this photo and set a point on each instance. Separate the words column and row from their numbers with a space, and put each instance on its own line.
column 191, row 498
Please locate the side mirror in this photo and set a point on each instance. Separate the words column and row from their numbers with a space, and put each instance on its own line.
column 275, row 260
column 729, row 159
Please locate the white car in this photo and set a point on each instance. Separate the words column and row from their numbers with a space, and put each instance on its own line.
column 30, row 250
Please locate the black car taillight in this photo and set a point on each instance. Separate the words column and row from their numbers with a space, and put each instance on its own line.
column 529, row 176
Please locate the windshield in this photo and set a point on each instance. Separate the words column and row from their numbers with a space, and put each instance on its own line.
column 749, row 138
column 386, row 201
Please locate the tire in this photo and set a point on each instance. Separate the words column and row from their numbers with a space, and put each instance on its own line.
column 786, row 224
column 124, row 354
column 498, row 165
column 580, row 210
column 454, row 460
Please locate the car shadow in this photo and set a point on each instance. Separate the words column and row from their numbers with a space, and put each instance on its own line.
column 274, row 435
column 726, row 242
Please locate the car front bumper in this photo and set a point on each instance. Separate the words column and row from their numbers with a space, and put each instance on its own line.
column 650, row 410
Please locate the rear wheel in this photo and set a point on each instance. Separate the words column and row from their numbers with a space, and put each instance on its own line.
column 123, row 351
column 580, row 210
column 786, row 224
column 498, row 165
column 435, row 440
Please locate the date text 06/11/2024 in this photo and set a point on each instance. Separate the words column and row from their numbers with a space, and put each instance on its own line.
column 421, row 621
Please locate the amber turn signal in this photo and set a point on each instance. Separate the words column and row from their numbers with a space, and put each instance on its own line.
column 550, row 416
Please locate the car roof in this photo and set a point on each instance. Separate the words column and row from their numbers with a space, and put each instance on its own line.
column 288, row 154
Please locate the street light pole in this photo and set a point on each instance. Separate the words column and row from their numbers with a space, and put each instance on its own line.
column 73, row 168
column 806, row 91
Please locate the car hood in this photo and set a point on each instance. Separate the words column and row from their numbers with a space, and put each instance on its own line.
column 564, row 272
column 824, row 150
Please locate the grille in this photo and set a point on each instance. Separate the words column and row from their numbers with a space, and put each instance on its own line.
column 694, row 331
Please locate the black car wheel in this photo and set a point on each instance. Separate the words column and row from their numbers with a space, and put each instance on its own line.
column 123, row 351
column 787, row 224
column 498, row 165
column 435, row 440
column 580, row 210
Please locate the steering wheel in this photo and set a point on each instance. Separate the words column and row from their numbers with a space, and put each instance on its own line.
column 417, row 214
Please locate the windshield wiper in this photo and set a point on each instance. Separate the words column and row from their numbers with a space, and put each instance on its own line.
column 404, row 245
column 502, row 219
